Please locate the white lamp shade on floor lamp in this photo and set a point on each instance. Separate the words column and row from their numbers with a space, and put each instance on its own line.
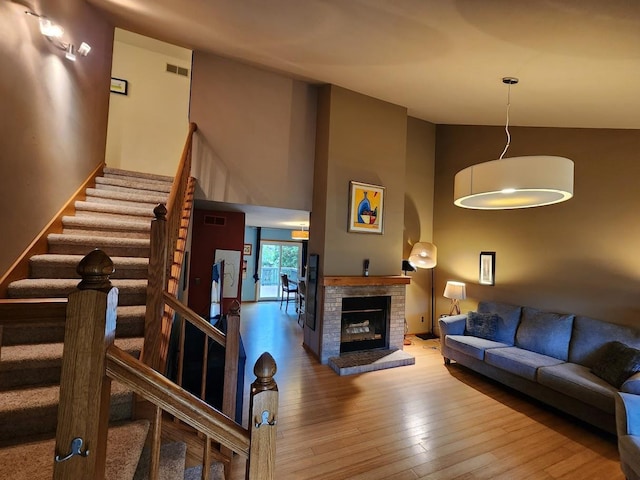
column 423, row 255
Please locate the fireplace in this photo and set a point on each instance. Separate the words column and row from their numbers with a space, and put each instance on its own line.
column 337, row 289
column 364, row 323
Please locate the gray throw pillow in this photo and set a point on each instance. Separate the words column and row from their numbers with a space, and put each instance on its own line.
column 483, row 325
column 617, row 363
column 509, row 319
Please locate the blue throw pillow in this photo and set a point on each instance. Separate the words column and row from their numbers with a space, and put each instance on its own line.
column 617, row 363
column 509, row 319
column 483, row 325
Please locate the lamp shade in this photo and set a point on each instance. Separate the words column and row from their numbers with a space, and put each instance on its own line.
column 300, row 235
column 515, row 182
column 423, row 255
column 455, row 290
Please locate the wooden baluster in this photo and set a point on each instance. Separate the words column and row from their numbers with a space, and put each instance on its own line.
column 263, row 415
column 83, row 412
column 206, row 459
column 151, row 353
column 154, row 463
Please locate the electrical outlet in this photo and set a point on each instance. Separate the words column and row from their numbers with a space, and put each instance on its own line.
column 422, row 319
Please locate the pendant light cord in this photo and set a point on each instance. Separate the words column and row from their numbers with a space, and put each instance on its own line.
column 506, row 127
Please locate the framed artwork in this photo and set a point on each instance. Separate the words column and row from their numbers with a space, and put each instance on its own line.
column 487, row 268
column 119, row 86
column 366, row 208
column 247, row 249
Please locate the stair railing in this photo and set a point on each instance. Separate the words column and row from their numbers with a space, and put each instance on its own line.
column 91, row 361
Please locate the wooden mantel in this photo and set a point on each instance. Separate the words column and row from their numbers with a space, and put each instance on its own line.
column 357, row 281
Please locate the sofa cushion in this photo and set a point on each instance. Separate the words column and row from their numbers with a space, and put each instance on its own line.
column 518, row 361
column 631, row 384
column 472, row 346
column 617, row 363
column 483, row 325
column 508, row 322
column 591, row 335
column 578, row 382
column 545, row 332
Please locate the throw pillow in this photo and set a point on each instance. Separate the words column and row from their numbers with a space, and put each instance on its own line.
column 617, row 363
column 509, row 319
column 483, row 325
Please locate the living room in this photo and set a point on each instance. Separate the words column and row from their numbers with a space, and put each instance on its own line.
column 577, row 256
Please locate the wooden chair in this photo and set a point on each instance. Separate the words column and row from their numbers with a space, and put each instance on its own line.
column 287, row 290
column 302, row 301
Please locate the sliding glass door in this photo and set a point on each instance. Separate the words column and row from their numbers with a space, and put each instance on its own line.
column 277, row 258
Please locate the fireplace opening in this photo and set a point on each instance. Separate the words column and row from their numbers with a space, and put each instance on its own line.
column 365, row 323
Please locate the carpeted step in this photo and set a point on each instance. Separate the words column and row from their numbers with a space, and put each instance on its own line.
column 131, row 292
column 118, row 173
column 133, row 183
column 65, row 266
column 92, row 225
column 40, row 364
column 34, row 461
column 172, row 462
column 130, row 323
column 95, row 194
column 115, row 212
column 34, row 411
column 195, row 473
column 84, row 244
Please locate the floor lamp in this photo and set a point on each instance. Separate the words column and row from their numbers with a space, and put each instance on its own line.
column 425, row 255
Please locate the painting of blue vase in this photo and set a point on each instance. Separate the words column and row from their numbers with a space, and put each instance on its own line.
column 365, row 208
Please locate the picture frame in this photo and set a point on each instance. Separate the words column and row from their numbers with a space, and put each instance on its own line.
column 366, row 208
column 487, row 275
column 119, row 86
column 247, row 249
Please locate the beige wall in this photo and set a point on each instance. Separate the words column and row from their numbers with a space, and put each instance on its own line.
column 418, row 218
column 53, row 115
column 579, row 256
column 148, row 127
column 364, row 139
column 256, row 134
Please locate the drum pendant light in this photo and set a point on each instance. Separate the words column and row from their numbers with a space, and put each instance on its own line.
column 515, row 182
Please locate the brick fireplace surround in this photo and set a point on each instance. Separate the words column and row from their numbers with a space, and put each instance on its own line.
column 337, row 288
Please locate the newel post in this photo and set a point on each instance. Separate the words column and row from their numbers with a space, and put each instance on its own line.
column 83, row 412
column 151, row 353
column 263, row 416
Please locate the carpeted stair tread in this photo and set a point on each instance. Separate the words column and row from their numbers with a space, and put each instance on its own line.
column 195, row 473
column 64, row 266
column 172, row 462
column 130, row 324
column 127, row 196
column 34, row 461
column 106, row 210
column 112, row 171
column 104, row 226
column 84, row 244
column 131, row 183
column 40, row 364
column 130, row 291
column 34, row 410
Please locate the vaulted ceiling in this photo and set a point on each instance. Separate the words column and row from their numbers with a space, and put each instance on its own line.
column 578, row 61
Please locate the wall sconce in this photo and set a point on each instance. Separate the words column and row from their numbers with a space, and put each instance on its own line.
column 54, row 32
column 301, row 234
column 455, row 291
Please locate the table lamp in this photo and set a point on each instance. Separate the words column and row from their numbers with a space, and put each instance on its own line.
column 455, row 291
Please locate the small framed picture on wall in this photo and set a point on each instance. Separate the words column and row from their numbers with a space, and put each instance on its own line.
column 247, row 249
column 487, row 268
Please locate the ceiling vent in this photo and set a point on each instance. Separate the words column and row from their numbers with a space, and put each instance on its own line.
column 184, row 72
column 215, row 220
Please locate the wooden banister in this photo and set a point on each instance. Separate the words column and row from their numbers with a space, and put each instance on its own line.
column 195, row 319
column 83, row 411
column 173, row 399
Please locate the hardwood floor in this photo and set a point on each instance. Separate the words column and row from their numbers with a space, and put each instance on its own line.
column 424, row 421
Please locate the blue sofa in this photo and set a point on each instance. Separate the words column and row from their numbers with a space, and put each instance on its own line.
column 549, row 356
column 628, row 420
